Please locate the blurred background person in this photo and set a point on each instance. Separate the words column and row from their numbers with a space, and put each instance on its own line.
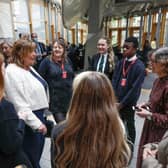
column 6, row 48
column 11, row 130
column 57, row 71
column 146, row 49
column 27, row 90
column 40, row 50
column 155, row 112
column 92, row 134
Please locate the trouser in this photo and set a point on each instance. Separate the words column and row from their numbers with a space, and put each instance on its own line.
column 59, row 117
column 127, row 115
column 34, row 142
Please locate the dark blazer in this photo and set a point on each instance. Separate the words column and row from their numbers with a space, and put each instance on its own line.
column 94, row 62
column 11, row 137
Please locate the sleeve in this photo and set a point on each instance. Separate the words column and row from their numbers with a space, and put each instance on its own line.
column 161, row 120
column 115, row 75
column 12, row 134
column 151, row 162
column 134, row 92
column 15, row 92
column 91, row 63
column 43, row 68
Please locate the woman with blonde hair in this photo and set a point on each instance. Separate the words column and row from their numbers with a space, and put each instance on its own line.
column 6, row 47
column 92, row 136
column 28, row 92
column 104, row 61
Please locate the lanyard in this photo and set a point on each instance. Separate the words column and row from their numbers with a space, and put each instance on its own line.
column 125, row 71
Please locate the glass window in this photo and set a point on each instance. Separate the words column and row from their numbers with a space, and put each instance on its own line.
column 38, row 22
column 6, row 20
column 114, row 37
column 136, row 33
column 20, row 17
column 123, row 37
column 123, row 22
column 20, row 11
column 136, row 21
column 114, row 23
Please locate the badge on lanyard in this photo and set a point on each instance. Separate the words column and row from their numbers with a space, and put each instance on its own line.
column 123, row 81
column 64, row 74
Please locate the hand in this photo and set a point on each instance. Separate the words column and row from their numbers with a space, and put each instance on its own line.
column 42, row 129
column 143, row 113
column 149, row 153
column 22, row 115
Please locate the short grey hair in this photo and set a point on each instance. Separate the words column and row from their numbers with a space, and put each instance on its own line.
column 161, row 55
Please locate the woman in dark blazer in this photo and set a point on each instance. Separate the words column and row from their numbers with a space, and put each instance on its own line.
column 104, row 60
column 11, row 131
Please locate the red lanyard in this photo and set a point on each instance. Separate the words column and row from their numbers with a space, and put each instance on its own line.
column 64, row 73
column 125, row 71
column 62, row 67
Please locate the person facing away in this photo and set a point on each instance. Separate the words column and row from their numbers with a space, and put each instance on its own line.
column 127, row 81
column 11, row 130
column 104, row 61
column 28, row 92
column 92, row 136
column 57, row 71
column 155, row 111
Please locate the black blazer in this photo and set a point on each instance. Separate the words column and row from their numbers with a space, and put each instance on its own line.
column 94, row 62
column 11, row 137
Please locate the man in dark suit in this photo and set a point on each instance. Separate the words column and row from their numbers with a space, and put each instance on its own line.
column 40, row 50
column 103, row 61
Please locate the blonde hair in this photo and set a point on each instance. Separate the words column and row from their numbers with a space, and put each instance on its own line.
column 93, row 136
column 110, row 53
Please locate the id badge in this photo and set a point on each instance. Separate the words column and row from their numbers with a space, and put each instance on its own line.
column 123, row 82
column 64, row 74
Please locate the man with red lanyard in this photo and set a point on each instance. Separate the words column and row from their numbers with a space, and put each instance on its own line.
column 127, row 81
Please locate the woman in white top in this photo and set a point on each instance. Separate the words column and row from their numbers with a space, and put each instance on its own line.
column 27, row 90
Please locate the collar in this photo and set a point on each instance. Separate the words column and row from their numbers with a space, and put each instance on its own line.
column 105, row 55
column 132, row 58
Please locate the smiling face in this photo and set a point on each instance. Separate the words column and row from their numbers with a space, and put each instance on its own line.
column 102, row 46
column 58, row 51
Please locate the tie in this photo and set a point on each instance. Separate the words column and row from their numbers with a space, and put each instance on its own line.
column 101, row 64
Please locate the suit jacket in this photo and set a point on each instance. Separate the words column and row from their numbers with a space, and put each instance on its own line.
column 162, row 161
column 94, row 62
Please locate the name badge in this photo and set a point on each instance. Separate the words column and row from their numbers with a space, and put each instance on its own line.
column 64, row 74
column 123, row 82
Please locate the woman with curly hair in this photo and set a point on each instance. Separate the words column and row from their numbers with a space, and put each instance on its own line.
column 92, row 136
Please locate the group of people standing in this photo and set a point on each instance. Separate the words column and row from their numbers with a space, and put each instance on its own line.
column 94, row 111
